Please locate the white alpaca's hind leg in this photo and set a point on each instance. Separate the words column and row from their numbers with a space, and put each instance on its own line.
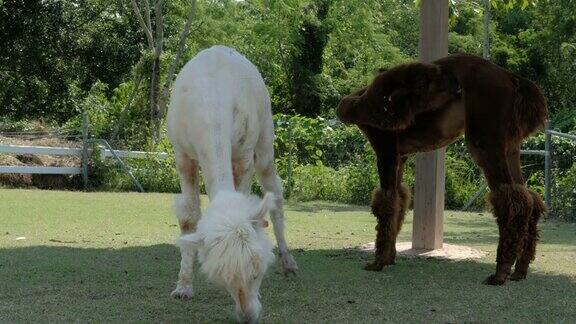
column 187, row 207
column 269, row 180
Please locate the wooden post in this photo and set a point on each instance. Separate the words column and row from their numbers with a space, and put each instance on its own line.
column 548, row 166
column 430, row 173
column 486, row 45
column 85, row 149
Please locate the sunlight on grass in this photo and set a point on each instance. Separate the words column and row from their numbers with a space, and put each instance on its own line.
column 109, row 257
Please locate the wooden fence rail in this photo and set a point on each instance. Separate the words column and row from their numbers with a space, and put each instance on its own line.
column 66, row 151
column 106, row 152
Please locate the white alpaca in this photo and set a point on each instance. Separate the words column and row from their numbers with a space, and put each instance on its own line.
column 220, row 121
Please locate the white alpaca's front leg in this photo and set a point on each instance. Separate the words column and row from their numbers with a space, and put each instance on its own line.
column 288, row 263
column 271, row 182
column 184, row 289
column 187, row 206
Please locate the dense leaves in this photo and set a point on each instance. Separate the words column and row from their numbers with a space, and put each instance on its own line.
column 310, row 52
column 51, row 49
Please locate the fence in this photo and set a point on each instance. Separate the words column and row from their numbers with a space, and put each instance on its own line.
column 106, row 152
column 88, row 146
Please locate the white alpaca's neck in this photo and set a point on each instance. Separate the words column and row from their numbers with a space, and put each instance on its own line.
column 223, row 178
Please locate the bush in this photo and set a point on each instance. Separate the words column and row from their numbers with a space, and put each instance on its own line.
column 462, row 181
column 564, row 195
column 324, row 159
column 361, row 179
column 316, row 182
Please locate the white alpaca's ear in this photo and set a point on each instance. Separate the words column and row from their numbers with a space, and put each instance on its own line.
column 267, row 204
column 189, row 240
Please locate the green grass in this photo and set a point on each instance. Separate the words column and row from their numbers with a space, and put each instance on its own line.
column 109, row 257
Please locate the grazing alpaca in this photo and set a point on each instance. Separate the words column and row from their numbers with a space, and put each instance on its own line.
column 220, row 121
column 420, row 107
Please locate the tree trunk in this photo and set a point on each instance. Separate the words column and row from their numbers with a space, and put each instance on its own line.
column 172, row 69
column 307, row 61
column 156, row 70
column 126, row 108
column 486, row 47
column 154, row 81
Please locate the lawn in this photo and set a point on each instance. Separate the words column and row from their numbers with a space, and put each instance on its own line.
column 109, row 257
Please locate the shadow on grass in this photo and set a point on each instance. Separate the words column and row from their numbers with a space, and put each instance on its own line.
column 67, row 284
column 550, row 233
column 316, row 206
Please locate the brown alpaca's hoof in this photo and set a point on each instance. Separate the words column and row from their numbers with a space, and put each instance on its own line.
column 492, row 280
column 376, row 266
column 373, row 266
column 517, row 276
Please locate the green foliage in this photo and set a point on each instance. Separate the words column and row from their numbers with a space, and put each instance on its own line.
column 307, row 60
column 330, row 161
column 51, row 47
column 317, row 182
column 462, row 180
column 564, row 195
column 98, row 109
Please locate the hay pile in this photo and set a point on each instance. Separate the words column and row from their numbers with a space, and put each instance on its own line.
column 47, row 181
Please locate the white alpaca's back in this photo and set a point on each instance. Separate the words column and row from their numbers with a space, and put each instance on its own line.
column 220, row 110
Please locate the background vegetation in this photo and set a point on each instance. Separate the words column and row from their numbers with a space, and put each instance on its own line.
column 61, row 58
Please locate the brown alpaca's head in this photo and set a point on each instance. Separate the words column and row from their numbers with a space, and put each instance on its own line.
column 402, row 91
column 347, row 108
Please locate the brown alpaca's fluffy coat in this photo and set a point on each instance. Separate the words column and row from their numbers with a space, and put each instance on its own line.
column 420, row 107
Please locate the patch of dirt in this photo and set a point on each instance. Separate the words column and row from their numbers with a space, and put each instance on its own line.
column 447, row 252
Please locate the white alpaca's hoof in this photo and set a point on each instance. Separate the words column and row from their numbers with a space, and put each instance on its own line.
column 182, row 292
column 288, row 264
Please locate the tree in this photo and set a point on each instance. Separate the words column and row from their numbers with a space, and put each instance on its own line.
column 155, row 40
column 53, row 52
column 508, row 4
column 306, row 61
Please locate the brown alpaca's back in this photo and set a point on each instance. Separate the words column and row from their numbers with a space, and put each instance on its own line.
column 506, row 98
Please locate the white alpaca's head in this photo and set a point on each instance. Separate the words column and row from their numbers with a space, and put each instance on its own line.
column 233, row 247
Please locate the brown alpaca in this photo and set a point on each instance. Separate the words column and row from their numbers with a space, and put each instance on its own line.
column 421, row 107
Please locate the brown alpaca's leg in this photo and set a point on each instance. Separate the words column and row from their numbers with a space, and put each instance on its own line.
column 511, row 202
column 388, row 201
column 529, row 250
column 512, row 207
column 389, row 208
column 405, row 196
column 530, row 237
